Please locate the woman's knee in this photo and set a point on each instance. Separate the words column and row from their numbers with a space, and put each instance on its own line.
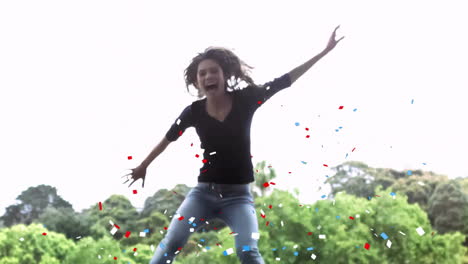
column 249, row 255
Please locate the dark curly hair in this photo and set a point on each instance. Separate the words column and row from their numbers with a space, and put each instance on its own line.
column 235, row 70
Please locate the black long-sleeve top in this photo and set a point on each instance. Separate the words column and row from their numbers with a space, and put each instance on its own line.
column 227, row 144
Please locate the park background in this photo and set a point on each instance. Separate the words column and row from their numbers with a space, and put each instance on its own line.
column 85, row 85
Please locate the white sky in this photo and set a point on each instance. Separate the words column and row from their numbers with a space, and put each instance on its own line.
column 84, row 84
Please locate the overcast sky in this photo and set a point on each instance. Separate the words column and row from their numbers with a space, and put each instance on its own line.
column 85, row 84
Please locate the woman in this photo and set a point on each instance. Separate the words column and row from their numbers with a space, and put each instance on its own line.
column 222, row 121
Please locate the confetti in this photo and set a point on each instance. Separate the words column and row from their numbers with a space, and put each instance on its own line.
column 266, row 184
column 297, row 123
column 228, row 251
column 313, row 256
column 127, row 234
column 44, row 234
column 384, row 236
column 142, row 234
column 367, row 246
column 321, row 236
column 114, row 230
column 181, row 218
column 100, row 206
column 325, row 165
column 412, row 100
column 389, row 243
column 255, row 235
column 353, row 150
column 352, row 218
column 341, row 107
column 420, row 231
column 410, row 173
column 355, row 109
column 180, row 133
column 129, row 157
column 135, row 192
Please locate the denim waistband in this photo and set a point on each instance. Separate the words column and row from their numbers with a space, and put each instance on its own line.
column 223, row 186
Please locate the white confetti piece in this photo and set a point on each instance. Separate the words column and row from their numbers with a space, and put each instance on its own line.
column 168, row 261
column 192, row 229
column 99, row 256
column 152, row 248
column 229, row 251
column 402, row 233
column 255, row 235
column 321, row 236
column 421, row 183
column 165, row 211
column 262, row 212
column 367, row 212
column 212, row 153
column 21, row 239
column 319, row 227
column 282, row 224
column 78, row 237
column 280, row 205
column 114, row 230
column 142, row 234
column 313, row 256
column 420, row 231
column 191, row 219
column 277, row 259
column 178, row 121
column 199, row 245
column 111, row 223
column 162, row 232
column 357, row 216
column 177, row 252
column 235, row 234
column 135, row 254
column 389, row 243
column 295, row 246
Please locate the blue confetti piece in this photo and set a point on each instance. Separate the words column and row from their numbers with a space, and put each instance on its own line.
column 146, row 231
column 165, row 254
column 202, row 240
column 316, row 209
column 123, row 250
column 336, row 130
column 284, row 248
column 207, row 247
column 424, row 163
column 296, row 253
column 246, row 248
column 323, row 196
column 303, row 162
column 337, row 217
column 412, row 100
column 369, row 197
column 309, row 249
column 194, row 224
column 274, row 249
column 297, row 123
column 392, row 194
column 346, row 155
column 161, row 245
column 355, row 109
column 410, row 173
column 340, row 127
column 384, row 236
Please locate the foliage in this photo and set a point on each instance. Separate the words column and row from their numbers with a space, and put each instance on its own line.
column 31, row 203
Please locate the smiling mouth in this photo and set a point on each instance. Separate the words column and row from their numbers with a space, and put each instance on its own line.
column 211, row 87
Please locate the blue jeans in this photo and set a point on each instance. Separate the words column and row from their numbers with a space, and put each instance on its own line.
column 232, row 203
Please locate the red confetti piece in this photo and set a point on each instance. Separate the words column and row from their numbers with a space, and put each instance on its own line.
column 129, row 157
column 289, row 172
column 100, row 206
column 262, row 215
column 353, row 149
column 307, row 136
column 135, row 249
column 367, row 246
column 272, row 183
column 215, row 228
column 202, row 219
column 115, row 258
column 180, row 133
column 231, row 233
column 269, row 166
column 179, row 248
column 44, row 234
column 127, row 234
column 341, row 107
column 204, row 170
column 325, row 165
column 204, row 161
column 181, row 218
column 191, row 145
column 196, row 156
column 165, row 228
column 307, row 128
column 270, row 206
column 309, row 234
column 267, row 223
column 118, row 227
column 352, row 218
column 135, row 192
column 259, row 102
column 266, row 184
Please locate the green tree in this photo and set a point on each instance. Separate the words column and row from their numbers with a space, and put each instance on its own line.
column 262, row 175
column 26, row 244
column 32, row 203
column 66, row 221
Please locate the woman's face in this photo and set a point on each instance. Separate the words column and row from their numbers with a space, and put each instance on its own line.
column 210, row 78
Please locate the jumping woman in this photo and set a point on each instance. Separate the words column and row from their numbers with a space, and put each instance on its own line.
column 222, row 121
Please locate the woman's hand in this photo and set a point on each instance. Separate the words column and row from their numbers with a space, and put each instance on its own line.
column 332, row 42
column 137, row 173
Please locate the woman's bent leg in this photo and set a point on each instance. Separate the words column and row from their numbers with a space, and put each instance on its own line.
column 195, row 205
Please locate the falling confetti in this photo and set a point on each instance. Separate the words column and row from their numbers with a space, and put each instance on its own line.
column 129, row 157
column 341, row 107
column 100, row 206
column 367, row 246
column 135, row 192
column 412, row 100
